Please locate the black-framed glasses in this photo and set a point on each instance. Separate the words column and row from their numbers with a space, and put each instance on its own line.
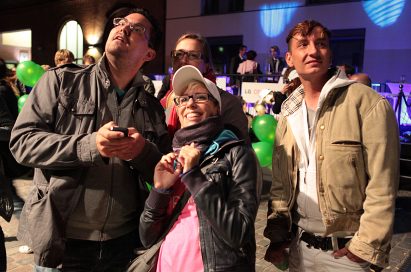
column 191, row 55
column 138, row 28
column 197, row 98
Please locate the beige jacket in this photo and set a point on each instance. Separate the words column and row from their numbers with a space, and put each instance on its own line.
column 357, row 161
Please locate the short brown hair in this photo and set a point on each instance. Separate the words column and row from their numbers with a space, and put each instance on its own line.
column 304, row 29
column 63, row 56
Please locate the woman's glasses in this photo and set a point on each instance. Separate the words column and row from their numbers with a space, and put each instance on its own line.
column 197, row 98
column 191, row 55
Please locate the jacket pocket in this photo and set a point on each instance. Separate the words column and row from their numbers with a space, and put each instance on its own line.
column 282, row 182
column 345, row 177
column 219, row 172
column 75, row 116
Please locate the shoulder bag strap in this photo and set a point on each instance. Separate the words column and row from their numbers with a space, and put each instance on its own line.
column 176, row 212
column 179, row 207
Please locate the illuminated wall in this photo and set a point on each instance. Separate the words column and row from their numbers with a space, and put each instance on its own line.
column 387, row 52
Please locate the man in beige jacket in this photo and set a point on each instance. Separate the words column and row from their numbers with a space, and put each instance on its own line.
column 335, row 166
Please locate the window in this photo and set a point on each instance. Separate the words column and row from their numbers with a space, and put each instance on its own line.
column 210, row 7
column 223, row 48
column 71, row 38
column 347, row 46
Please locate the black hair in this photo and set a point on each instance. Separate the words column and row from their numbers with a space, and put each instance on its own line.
column 156, row 34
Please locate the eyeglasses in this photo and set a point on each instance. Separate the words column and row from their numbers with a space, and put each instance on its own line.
column 191, row 55
column 138, row 28
column 197, row 98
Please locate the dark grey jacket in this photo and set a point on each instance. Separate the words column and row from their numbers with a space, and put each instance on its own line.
column 227, row 196
column 56, row 133
column 6, row 123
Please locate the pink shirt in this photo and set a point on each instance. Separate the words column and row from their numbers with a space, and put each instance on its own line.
column 180, row 250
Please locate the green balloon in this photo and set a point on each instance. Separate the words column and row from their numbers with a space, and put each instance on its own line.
column 28, row 72
column 264, row 127
column 21, row 101
column 264, row 152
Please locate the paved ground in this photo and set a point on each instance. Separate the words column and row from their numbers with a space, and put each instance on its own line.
column 400, row 257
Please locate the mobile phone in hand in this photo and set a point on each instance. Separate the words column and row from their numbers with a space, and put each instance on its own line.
column 122, row 129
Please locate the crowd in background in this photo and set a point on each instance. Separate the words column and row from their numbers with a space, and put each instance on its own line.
column 105, row 150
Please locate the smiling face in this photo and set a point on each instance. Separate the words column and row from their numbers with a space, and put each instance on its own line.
column 130, row 46
column 193, row 113
column 310, row 54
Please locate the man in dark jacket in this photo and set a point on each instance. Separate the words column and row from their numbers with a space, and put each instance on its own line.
column 90, row 179
column 235, row 62
column 6, row 200
column 11, row 169
column 275, row 63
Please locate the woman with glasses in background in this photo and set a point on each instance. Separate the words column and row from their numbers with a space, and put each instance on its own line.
column 193, row 49
column 215, row 228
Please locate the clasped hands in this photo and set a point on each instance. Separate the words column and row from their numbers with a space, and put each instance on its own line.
column 170, row 166
column 113, row 143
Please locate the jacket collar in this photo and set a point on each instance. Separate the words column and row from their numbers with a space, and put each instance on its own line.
column 105, row 76
column 294, row 101
column 226, row 145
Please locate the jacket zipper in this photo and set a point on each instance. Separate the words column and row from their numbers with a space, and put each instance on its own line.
column 100, row 256
column 110, row 199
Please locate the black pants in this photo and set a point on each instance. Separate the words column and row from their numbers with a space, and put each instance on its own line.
column 112, row 255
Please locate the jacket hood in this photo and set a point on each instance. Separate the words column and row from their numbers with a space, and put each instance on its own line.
column 339, row 79
column 294, row 101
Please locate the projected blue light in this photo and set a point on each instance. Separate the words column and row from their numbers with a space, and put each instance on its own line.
column 383, row 12
column 275, row 17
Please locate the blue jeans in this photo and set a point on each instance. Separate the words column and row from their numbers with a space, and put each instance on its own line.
column 112, row 255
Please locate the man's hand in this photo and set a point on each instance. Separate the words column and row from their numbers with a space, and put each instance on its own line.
column 114, row 144
column 276, row 253
column 345, row 252
column 165, row 174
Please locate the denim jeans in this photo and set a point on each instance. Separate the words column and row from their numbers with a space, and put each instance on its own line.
column 112, row 255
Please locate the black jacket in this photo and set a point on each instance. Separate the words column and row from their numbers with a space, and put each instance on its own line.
column 6, row 121
column 9, row 97
column 281, row 65
column 227, row 196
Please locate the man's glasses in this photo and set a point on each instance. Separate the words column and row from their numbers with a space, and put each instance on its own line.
column 191, row 55
column 138, row 28
column 197, row 98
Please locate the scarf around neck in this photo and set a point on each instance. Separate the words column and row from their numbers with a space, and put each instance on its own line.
column 202, row 133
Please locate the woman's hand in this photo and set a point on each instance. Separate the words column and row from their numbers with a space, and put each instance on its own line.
column 165, row 175
column 189, row 157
